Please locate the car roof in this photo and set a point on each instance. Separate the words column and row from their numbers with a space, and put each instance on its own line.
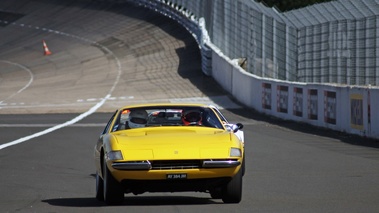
column 166, row 105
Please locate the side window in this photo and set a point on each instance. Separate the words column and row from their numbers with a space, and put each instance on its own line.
column 109, row 124
column 223, row 119
column 211, row 120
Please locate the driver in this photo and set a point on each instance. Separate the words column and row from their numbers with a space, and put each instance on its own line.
column 192, row 117
column 137, row 119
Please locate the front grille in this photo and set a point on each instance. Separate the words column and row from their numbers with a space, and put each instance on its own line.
column 175, row 164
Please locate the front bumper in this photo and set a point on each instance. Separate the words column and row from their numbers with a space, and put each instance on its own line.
column 175, row 164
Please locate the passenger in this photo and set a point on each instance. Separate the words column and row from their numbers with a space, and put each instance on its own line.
column 137, row 119
column 192, row 117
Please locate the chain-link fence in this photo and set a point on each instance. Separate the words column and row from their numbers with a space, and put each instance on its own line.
column 335, row 42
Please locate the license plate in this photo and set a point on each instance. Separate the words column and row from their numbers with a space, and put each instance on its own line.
column 176, row 176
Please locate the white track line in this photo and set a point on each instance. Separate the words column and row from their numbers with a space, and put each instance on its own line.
column 83, row 115
column 26, row 86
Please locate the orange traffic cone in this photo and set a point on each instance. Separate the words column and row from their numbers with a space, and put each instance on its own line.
column 45, row 49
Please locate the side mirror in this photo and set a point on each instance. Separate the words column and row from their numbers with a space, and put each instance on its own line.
column 236, row 127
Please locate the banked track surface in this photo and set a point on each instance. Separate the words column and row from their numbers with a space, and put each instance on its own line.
column 95, row 47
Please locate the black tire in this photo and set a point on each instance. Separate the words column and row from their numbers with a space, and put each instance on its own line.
column 216, row 193
column 232, row 191
column 113, row 191
column 99, row 188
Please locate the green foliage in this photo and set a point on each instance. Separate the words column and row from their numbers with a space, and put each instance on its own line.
column 286, row 5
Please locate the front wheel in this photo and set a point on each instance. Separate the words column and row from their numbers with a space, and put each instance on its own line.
column 232, row 191
column 113, row 191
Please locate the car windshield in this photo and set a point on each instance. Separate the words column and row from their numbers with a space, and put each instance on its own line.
column 167, row 116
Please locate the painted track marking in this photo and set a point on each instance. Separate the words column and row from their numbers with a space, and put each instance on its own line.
column 26, row 86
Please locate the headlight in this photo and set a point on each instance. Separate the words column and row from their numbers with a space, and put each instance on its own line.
column 235, row 152
column 114, row 155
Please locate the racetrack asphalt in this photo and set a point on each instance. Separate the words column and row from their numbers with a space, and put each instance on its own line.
column 106, row 55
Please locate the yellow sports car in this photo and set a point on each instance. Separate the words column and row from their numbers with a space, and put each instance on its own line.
column 169, row 148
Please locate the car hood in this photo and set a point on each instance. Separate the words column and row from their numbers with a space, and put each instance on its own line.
column 171, row 143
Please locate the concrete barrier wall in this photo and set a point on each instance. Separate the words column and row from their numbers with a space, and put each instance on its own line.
column 348, row 109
